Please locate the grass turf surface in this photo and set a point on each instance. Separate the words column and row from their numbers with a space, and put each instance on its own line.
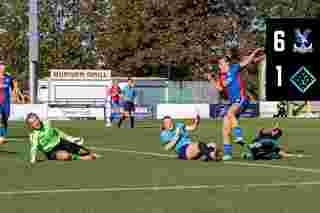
column 123, row 181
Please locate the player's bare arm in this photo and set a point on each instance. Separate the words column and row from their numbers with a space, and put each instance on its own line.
column 251, row 58
column 216, row 83
column 195, row 124
column 258, row 59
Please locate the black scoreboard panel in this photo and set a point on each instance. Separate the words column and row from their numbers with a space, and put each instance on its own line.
column 293, row 59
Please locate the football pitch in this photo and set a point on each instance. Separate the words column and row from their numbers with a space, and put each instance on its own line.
column 136, row 175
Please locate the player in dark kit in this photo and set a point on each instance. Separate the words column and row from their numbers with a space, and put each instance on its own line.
column 129, row 94
column 266, row 146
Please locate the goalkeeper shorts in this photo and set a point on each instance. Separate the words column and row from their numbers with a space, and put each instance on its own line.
column 66, row 146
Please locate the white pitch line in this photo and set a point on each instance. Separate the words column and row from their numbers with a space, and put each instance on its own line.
column 159, row 188
column 132, row 151
column 264, row 165
column 17, row 139
column 299, row 155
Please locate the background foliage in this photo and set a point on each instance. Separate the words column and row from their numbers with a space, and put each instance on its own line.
column 133, row 37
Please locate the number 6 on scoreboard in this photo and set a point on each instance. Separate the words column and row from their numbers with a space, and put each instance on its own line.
column 278, row 44
column 279, row 75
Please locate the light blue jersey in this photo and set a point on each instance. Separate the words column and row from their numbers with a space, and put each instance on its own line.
column 168, row 135
column 129, row 93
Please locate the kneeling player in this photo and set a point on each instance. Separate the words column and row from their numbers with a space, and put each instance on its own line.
column 54, row 143
column 266, row 146
column 175, row 136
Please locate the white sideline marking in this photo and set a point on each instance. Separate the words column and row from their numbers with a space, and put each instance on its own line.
column 17, row 139
column 292, row 168
column 264, row 165
column 132, row 151
column 299, row 155
column 159, row 188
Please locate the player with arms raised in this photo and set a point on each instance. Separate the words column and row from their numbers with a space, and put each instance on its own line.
column 234, row 88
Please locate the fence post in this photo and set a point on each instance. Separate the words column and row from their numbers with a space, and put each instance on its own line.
column 166, row 92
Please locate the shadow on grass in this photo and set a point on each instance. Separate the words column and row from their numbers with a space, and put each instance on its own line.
column 19, row 136
column 8, row 152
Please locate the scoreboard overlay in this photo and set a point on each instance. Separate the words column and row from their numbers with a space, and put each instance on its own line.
column 293, row 59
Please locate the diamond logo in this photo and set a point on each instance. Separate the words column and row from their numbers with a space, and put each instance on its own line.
column 303, row 79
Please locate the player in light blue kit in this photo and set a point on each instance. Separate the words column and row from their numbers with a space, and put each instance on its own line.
column 6, row 88
column 234, row 88
column 129, row 95
column 175, row 136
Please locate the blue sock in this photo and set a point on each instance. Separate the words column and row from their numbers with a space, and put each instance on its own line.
column 227, row 149
column 3, row 132
column 237, row 132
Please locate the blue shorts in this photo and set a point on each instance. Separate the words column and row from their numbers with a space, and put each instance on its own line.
column 128, row 106
column 4, row 112
column 244, row 103
column 115, row 104
column 66, row 146
column 182, row 152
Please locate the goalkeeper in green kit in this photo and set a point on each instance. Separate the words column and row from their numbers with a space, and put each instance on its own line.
column 54, row 143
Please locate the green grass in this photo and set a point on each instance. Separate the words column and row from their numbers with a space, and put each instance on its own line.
column 229, row 187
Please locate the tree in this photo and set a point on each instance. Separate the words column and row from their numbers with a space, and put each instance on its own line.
column 158, row 32
column 13, row 39
column 128, row 34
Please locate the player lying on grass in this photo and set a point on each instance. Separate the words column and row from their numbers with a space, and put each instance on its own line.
column 174, row 135
column 54, row 143
column 266, row 146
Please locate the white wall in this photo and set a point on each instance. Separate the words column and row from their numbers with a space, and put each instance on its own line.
column 77, row 90
column 183, row 111
column 20, row 111
column 268, row 108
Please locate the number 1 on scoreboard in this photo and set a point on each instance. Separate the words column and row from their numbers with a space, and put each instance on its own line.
column 279, row 75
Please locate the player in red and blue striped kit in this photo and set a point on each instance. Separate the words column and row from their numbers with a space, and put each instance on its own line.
column 115, row 92
column 6, row 87
column 234, row 88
